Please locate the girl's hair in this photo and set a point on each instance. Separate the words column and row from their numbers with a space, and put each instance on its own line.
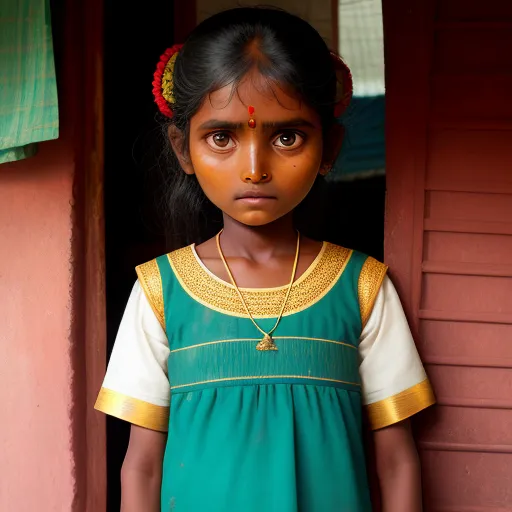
column 221, row 51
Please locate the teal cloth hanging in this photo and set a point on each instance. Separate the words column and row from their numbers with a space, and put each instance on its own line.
column 364, row 150
column 28, row 92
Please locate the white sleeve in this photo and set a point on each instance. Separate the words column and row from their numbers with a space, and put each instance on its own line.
column 136, row 386
column 394, row 382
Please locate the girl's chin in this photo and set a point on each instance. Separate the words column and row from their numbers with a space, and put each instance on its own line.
column 256, row 219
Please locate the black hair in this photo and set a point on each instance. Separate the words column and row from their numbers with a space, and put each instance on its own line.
column 221, row 51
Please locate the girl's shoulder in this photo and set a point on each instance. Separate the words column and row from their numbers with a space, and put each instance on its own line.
column 365, row 264
column 365, row 273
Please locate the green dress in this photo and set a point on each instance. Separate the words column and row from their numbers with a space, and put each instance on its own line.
column 272, row 431
column 266, row 431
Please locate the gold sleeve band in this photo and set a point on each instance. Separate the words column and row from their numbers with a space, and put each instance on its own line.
column 138, row 412
column 151, row 282
column 401, row 406
column 370, row 280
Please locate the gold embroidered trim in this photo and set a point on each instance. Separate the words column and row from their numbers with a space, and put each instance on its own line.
column 259, row 339
column 151, row 282
column 370, row 280
column 133, row 410
column 220, row 296
column 401, row 406
column 251, row 377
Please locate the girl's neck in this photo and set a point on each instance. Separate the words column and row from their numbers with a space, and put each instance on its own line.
column 259, row 243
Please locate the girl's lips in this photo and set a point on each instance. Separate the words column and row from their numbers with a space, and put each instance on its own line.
column 256, row 200
column 255, row 193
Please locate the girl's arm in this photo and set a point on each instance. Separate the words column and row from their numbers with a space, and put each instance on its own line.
column 398, row 468
column 395, row 387
column 141, row 475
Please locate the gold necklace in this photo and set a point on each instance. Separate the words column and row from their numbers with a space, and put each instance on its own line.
column 267, row 343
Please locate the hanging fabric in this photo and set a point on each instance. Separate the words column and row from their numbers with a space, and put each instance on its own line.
column 28, row 91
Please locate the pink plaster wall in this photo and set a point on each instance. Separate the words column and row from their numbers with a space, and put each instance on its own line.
column 36, row 454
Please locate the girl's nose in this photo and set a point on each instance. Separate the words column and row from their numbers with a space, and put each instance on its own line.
column 255, row 176
column 254, row 169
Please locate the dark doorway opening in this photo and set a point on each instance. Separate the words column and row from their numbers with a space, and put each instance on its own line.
column 135, row 36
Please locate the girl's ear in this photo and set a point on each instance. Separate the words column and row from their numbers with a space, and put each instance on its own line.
column 177, row 139
column 332, row 146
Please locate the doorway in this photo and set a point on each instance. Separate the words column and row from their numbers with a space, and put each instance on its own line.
column 134, row 38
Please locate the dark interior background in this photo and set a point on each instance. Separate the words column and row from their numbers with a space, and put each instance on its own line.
column 135, row 36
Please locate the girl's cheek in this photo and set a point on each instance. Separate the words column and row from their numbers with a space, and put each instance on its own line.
column 205, row 161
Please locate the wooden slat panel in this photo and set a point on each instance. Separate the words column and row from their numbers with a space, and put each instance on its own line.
column 476, row 160
column 466, row 343
column 483, row 98
column 468, row 226
column 474, row 403
column 474, row 10
column 464, row 360
column 473, row 294
column 441, row 446
column 468, row 248
column 463, row 481
column 473, row 429
column 468, row 206
column 459, row 383
column 472, row 125
column 467, row 269
column 468, row 26
column 467, row 509
column 465, row 316
column 457, row 51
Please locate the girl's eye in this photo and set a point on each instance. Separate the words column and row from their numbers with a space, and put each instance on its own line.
column 289, row 140
column 220, row 140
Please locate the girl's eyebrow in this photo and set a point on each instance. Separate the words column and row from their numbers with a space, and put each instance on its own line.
column 218, row 124
column 221, row 125
column 288, row 123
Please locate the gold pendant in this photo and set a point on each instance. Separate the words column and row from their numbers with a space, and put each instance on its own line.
column 267, row 343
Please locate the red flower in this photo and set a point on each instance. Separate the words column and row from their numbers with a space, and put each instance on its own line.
column 162, row 103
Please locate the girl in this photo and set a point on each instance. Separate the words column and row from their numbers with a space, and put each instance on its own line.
column 244, row 363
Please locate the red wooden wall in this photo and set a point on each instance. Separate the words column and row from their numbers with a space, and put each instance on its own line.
column 449, row 234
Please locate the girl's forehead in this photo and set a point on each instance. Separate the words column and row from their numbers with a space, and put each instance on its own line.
column 258, row 91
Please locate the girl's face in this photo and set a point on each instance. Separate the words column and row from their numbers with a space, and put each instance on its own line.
column 255, row 175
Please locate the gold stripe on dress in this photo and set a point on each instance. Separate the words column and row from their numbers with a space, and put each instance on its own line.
column 370, row 280
column 259, row 339
column 220, row 296
column 401, row 406
column 254, row 377
column 151, row 282
column 133, row 410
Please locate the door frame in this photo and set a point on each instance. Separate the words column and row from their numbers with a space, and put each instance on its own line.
column 84, row 33
column 407, row 56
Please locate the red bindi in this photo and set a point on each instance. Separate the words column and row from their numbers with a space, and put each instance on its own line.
column 252, row 121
